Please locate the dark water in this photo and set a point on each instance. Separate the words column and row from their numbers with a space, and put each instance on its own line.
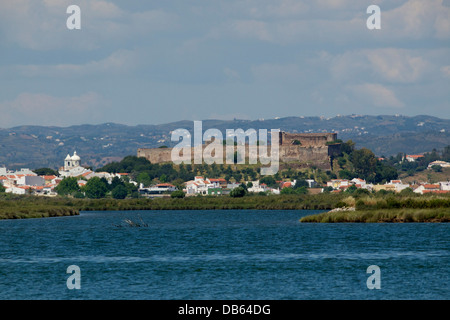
column 220, row 255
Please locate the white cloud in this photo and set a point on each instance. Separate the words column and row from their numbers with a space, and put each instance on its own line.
column 417, row 19
column 276, row 72
column 231, row 73
column 251, row 29
column 393, row 65
column 32, row 108
column 446, row 71
column 121, row 61
column 41, row 24
column 398, row 65
column 376, row 95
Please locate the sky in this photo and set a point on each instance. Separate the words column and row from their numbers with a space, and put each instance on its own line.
column 153, row 62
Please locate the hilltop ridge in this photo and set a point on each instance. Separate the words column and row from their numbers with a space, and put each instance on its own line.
column 46, row 146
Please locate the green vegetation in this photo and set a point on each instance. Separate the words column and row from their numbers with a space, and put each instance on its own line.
column 67, row 186
column 22, row 207
column 408, row 168
column 401, row 215
column 178, row 194
column 16, row 206
column 363, row 164
column 388, row 207
column 46, row 172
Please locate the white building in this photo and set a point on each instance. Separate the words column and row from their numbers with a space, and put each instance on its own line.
column 258, row 187
column 72, row 167
column 443, row 164
column 445, row 186
column 399, row 186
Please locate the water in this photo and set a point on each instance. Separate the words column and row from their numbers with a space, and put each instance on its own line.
column 230, row 254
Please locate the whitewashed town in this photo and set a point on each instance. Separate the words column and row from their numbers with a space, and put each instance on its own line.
column 25, row 181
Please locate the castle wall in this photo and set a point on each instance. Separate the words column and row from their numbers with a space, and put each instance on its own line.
column 301, row 156
column 307, row 139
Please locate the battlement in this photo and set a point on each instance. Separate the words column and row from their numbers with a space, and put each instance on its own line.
column 305, row 149
column 315, row 140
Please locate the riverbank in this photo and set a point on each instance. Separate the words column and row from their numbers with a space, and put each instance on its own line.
column 387, row 209
column 365, row 208
column 40, row 212
column 13, row 206
column 387, row 215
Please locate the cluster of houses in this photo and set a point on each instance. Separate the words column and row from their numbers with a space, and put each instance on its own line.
column 25, row 181
column 209, row 186
column 339, row 185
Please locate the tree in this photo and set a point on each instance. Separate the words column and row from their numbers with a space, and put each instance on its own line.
column 119, row 192
column 95, row 188
column 301, row 183
column 351, row 189
column 238, row 192
column 269, row 181
column 67, row 186
column 132, row 189
column 348, row 147
column 287, row 190
column 2, row 188
column 116, row 181
column 178, row 194
column 46, row 172
column 364, row 162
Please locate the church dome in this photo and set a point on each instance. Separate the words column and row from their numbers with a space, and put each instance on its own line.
column 68, row 157
column 75, row 157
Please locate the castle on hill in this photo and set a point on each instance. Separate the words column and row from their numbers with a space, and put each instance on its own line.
column 302, row 150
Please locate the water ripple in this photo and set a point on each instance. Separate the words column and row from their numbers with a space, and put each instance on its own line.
column 230, row 257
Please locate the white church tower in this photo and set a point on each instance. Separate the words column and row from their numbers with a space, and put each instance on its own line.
column 72, row 161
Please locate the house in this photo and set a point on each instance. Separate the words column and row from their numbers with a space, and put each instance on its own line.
column 427, row 188
column 286, row 184
column 414, row 157
column 160, row 188
column 222, row 183
column 17, row 190
column 28, row 180
column 442, row 164
column 257, row 187
column 445, row 186
column 399, row 186
column 338, row 184
column 387, row 187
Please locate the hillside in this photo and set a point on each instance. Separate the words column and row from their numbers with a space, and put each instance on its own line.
column 40, row 146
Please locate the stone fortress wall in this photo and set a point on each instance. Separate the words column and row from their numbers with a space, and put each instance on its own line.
column 301, row 149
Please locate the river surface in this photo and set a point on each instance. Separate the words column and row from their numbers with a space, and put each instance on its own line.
column 222, row 254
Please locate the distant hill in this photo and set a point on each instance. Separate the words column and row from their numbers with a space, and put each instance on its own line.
column 41, row 146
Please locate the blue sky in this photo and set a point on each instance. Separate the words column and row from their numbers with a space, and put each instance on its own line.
column 152, row 62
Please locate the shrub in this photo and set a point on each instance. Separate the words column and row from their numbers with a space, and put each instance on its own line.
column 178, row 194
column 237, row 192
column 119, row 192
